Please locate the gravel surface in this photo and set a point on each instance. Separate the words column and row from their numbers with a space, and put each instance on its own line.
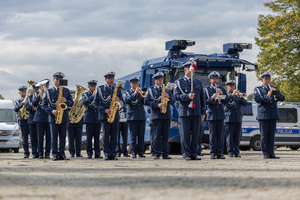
column 248, row 177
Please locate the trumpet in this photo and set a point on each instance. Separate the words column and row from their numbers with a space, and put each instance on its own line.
column 143, row 94
column 241, row 95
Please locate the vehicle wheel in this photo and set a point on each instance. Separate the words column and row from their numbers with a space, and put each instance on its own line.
column 295, row 148
column 256, row 143
column 244, row 148
column 129, row 149
column 174, row 148
column 16, row 150
column 83, row 146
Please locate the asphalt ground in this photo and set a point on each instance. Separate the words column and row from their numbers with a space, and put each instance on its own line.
column 248, row 177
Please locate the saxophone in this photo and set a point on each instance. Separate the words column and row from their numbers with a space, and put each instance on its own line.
column 76, row 114
column 23, row 112
column 60, row 106
column 114, row 105
column 164, row 100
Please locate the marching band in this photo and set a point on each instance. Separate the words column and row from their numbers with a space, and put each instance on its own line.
column 47, row 113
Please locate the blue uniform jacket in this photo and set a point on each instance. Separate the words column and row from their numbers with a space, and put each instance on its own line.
column 266, row 107
column 49, row 103
column 92, row 114
column 18, row 106
column 40, row 115
column 153, row 98
column 214, row 110
column 103, row 98
column 182, row 89
column 233, row 111
column 30, row 109
column 135, row 106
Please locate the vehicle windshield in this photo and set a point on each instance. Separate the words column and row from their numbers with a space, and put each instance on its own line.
column 205, row 80
column 7, row 115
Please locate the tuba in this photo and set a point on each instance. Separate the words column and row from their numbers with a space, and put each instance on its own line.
column 114, row 105
column 77, row 114
column 164, row 100
column 23, row 112
column 60, row 106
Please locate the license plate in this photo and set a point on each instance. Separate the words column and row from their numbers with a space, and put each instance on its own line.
column 2, row 142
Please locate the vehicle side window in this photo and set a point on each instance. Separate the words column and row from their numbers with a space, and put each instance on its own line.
column 247, row 110
column 288, row 115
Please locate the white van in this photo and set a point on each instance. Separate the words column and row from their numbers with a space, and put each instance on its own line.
column 10, row 132
column 287, row 131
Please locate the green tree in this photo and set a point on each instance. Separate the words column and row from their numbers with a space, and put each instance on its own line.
column 250, row 97
column 1, row 97
column 279, row 43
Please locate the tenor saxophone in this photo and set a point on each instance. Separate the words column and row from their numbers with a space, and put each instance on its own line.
column 77, row 114
column 60, row 107
column 164, row 100
column 114, row 105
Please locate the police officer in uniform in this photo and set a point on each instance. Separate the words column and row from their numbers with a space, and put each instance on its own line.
column 102, row 100
column 49, row 105
column 31, row 123
column 75, row 134
column 267, row 114
column 136, row 117
column 233, row 119
column 190, row 117
column 42, row 124
column 160, row 121
column 123, row 130
column 92, row 121
column 23, row 122
column 215, row 115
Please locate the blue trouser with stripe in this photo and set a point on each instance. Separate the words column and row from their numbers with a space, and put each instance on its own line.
column 267, row 135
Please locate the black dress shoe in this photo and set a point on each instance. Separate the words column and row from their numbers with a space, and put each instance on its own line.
column 142, row 156
column 133, row 156
column 106, row 158
column 237, row 155
column 89, row 157
column 55, row 158
column 195, row 158
column 40, row 157
column 167, row 157
column 72, row 156
column 126, row 155
column 35, row 156
column 266, row 156
column 188, row 158
column 26, row 156
column 98, row 157
column 63, row 158
column 156, row 157
column 200, row 154
column 183, row 156
column 114, row 158
column 79, row 156
column 47, row 157
column 213, row 157
column 273, row 157
column 118, row 155
column 230, row 155
column 220, row 156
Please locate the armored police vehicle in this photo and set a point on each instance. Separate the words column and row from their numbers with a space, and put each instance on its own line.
column 287, row 131
column 10, row 133
column 227, row 64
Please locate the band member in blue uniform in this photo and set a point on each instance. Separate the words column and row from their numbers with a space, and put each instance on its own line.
column 31, row 123
column 23, row 122
column 160, row 121
column 233, row 119
column 102, row 100
column 123, row 130
column 41, row 120
column 190, row 117
column 267, row 114
column 75, row 134
column 215, row 115
column 136, row 117
column 92, row 121
column 49, row 105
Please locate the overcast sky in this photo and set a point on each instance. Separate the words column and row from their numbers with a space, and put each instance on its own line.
column 84, row 39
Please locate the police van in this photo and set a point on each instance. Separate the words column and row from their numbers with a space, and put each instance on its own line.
column 287, row 131
column 10, row 133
